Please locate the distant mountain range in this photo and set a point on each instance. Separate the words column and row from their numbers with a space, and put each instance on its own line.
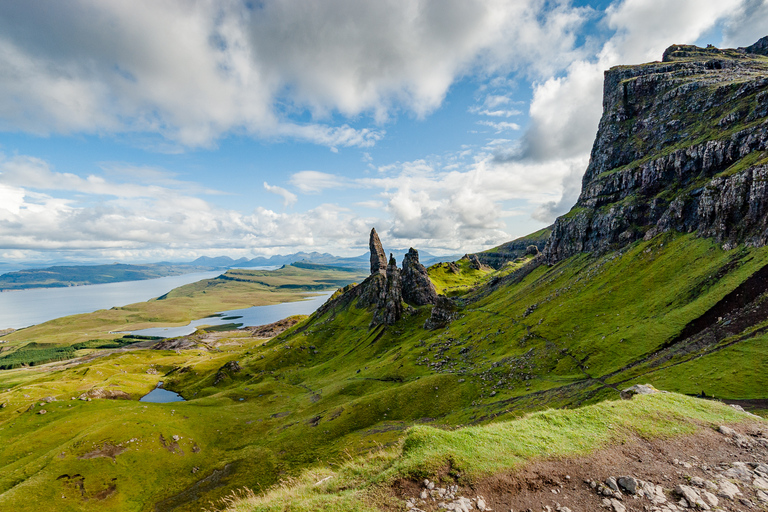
column 362, row 261
column 75, row 275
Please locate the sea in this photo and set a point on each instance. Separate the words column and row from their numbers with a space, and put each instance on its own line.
column 22, row 308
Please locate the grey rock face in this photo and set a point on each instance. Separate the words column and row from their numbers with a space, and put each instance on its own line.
column 443, row 312
column 390, row 306
column 655, row 166
column 417, row 289
column 378, row 256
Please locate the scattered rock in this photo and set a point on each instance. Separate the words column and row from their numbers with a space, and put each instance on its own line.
column 101, row 393
column 226, row 371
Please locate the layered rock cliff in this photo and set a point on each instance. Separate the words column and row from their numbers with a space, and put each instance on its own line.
column 682, row 145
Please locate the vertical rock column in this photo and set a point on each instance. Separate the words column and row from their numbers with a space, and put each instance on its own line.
column 390, row 307
column 378, row 256
column 418, row 290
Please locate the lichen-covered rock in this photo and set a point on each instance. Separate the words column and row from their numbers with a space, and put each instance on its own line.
column 390, row 306
column 443, row 313
column 378, row 256
column 417, row 288
column 638, row 389
column 680, row 146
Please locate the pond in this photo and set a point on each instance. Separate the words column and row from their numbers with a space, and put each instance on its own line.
column 161, row 396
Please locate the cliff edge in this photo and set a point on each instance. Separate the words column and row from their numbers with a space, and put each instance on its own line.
column 682, row 145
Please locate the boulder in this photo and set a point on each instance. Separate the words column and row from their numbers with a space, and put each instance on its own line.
column 638, row 389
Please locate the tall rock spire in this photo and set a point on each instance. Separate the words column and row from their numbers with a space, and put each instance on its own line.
column 378, row 256
column 418, row 290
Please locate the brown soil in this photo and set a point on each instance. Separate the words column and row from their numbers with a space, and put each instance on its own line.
column 565, row 481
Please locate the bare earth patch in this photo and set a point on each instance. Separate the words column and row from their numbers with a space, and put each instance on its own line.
column 705, row 463
column 106, row 450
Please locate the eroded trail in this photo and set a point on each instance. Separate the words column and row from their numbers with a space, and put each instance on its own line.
column 725, row 469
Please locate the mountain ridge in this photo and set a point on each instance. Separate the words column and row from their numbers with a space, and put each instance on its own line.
column 681, row 145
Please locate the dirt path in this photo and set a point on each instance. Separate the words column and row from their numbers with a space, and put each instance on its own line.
column 701, row 462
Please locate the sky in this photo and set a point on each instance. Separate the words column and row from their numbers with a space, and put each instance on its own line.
column 150, row 130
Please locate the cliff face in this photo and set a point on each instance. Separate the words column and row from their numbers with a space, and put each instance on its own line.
column 683, row 145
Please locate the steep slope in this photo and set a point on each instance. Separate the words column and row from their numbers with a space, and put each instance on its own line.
column 681, row 146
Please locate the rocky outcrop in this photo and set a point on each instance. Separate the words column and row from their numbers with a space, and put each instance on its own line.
column 389, row 309
column 682, row 145
column 417, row 288
column 387, row 292
column 378, row 256
column 443, row 313
column 227, row 371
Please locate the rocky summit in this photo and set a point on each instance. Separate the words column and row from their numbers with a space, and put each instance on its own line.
column 682, row 145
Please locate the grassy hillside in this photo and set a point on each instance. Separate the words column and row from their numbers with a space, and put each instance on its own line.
column 562, row 336
column 470, row 453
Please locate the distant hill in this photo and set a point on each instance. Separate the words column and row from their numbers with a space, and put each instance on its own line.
column 76, row 275
column 357, row 262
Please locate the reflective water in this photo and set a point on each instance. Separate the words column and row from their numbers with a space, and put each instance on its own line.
column 22, row 308
column 257, row 315
column 161, row 396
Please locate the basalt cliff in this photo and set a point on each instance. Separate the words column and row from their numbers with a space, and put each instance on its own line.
column 682, row 145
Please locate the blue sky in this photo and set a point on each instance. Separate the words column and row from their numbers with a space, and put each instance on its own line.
column 147, row 131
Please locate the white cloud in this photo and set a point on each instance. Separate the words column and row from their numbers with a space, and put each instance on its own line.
column 565, row 110
column 500, row 126
column 193, row 71
column 312, row 182
column 289, row 198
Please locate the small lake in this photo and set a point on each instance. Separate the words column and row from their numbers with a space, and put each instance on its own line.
column 161, row 396
column 256, row 315
column 22, row 308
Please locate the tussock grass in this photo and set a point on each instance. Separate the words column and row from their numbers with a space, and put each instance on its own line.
column 466, row 454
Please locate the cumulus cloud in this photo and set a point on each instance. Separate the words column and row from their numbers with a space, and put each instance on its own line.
column 195, row 71
column 500, row 126
column 129, row 220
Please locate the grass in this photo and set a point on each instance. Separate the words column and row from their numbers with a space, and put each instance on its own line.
column 474, row 452
column 330, row 386
column 457, row 278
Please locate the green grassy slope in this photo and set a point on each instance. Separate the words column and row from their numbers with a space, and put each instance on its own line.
column 562, row 336
column 474, row 452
